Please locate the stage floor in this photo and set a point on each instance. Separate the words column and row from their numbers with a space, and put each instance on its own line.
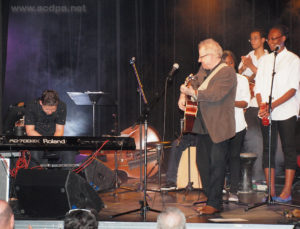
column 128, row 198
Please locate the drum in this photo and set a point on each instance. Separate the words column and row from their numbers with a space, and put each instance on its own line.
column 183, row 170
column 247, row 162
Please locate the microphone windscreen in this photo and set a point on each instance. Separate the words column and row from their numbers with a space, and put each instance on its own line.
column 277, row 47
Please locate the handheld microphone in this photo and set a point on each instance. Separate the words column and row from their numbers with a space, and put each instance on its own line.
column 173, row 70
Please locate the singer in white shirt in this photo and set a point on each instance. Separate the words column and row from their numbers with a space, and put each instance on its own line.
column 284, row 109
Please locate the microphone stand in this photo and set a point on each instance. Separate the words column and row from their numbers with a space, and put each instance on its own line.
column 142, row 96
column 165, row 106
column 269, row 200
column 168, row 80
column 143, row 203
column 159, row 146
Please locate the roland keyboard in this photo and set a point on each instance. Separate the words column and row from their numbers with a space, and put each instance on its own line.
column 65, row 143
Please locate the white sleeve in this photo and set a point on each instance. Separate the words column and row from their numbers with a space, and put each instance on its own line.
column 243, row 91
column 258, row 77
column 240, row 65
column 294, row 75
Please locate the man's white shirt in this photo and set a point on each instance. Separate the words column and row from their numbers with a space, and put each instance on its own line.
column 287, row 69
column 242, row 94
column 248, row 72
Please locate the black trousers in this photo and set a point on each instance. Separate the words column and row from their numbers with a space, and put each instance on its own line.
column 235, row 148
column 287, row 133
column 211, row 162
column 178, row 146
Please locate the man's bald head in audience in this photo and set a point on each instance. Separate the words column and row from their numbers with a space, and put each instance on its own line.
column 171, row 218
column 6, row 216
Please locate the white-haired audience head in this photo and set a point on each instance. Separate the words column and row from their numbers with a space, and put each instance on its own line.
column 171, row 218
column 7, row 219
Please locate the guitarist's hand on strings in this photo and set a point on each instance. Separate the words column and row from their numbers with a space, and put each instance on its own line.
column 182, row 102
column 188, row 90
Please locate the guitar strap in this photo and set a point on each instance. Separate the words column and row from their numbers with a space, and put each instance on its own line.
column 205, row 83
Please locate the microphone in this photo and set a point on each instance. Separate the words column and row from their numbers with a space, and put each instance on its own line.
column 277, row 47
column 171, row 73
column 132, row 60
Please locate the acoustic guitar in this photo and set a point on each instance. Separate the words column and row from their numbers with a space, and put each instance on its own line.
column 191, row 108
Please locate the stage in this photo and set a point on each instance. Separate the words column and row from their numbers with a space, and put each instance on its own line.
column 128, row 197
column 23, row 224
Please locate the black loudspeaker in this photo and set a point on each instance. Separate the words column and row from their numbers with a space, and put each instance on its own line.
column 52, row 193
column 100, row 176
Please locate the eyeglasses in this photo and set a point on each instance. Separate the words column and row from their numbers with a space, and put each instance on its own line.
column 79, row 209
column 274, row 38
column 201, row 57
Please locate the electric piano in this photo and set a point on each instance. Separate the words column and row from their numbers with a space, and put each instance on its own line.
column 65, row 143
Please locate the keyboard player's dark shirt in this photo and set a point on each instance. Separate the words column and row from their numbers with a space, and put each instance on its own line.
column 45, row 124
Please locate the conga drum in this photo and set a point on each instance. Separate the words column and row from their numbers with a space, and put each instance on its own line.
column 247, row 162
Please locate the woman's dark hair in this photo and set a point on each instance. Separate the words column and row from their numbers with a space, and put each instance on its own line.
column 228, row 53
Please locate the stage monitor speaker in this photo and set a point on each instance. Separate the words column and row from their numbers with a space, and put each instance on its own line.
column 100, row 176
column 52, row 193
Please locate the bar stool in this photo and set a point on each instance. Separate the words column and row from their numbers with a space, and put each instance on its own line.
column 247, row 162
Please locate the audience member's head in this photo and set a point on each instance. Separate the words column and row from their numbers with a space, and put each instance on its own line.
column 171, row 218
column 80, row 219
column 297, row 226
column 6, row 216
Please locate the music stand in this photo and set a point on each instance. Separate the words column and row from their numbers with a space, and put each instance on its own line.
column 87, row 98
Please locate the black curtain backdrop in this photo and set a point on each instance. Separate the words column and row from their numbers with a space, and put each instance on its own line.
column 3, row 39
column 86, row 45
